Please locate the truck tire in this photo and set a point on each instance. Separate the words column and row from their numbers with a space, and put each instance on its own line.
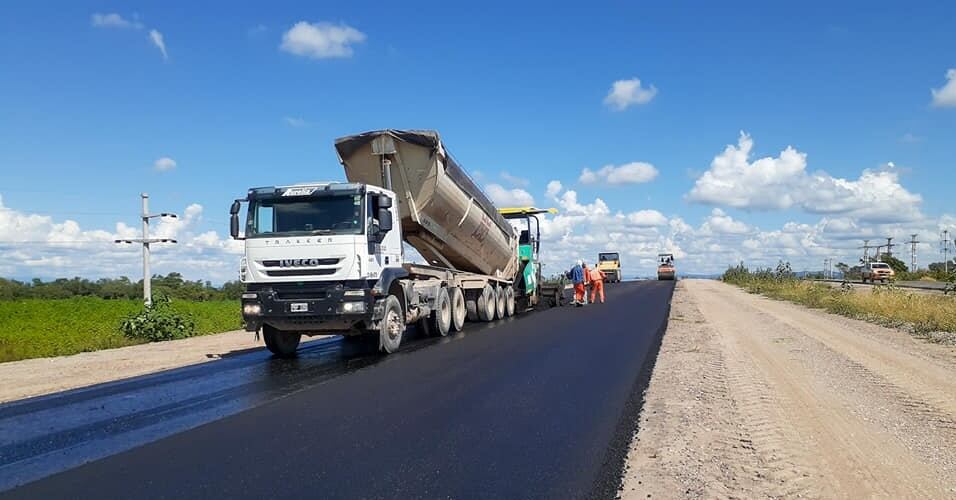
column 486, row 304
column 509, row 301
column 471, row 307
column 501, row 302
column 282, row 344
column 392, row 326
column 440, row 319
column 458, row 310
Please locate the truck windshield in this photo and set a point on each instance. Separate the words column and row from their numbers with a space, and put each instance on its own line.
column 880, row 266
column 338, row 214
column 607, row 256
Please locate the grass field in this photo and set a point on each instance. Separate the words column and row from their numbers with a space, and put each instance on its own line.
column 924, row 314
column 35, row 328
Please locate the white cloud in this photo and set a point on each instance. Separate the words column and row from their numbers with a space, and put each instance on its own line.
column 514, row 180
column 164, row 164
column 113, row 20
column 554, row 187
column 626, row 93
column 321, row 40
column 157, row 39
column 720, row 223
column 945, row 96
column 647, row 218
column 782, row 182
column 630, row 173
column 504, row 197
column 910, row 138
column 294, row 121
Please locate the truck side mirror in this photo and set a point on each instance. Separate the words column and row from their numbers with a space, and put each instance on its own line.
column 384, row 201
column 234, row 220
column 384, row 220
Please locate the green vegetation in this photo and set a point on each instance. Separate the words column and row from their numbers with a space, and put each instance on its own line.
column 886, row 305
column 32, row 328
column 172, row 285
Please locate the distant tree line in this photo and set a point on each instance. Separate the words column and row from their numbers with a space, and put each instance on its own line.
column 172, row 285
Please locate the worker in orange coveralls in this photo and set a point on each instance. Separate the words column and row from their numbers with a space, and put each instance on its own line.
column 587, row 281
column 577, row 277
column 596, row 277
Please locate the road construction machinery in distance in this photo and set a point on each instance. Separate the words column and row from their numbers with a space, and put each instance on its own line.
column 328, row 257
column 610, row 264
column 665, row 266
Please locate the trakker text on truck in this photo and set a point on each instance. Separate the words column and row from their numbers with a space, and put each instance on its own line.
column 327, row 258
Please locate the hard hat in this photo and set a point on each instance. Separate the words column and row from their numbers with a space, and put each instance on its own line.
column 580, row 262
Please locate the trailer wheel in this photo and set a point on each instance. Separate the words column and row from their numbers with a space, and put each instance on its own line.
column 392, row 326
column 501, row 302
column 282, row 344
column 458, row 311
column 486, row 303
column 509, row 301
column 440, row 319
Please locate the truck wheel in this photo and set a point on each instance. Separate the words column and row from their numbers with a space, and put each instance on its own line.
column 440, row 319
column 458, row 311
column 509, row 302
column 282, row 344
column 486, row 304
column 501, row 302
column 392, row 326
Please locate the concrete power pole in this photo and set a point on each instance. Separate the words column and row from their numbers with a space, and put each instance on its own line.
column 145, row 241
column 944, row 244
column 889, row 247
column 913, row 242
column 866, row 252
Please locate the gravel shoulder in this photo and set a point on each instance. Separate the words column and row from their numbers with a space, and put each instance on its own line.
column 756, row 398
column 36, row 377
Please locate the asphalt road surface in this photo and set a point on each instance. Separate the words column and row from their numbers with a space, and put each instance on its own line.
column 539, row 406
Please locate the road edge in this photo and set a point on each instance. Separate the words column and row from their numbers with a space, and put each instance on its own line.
column 610, row 478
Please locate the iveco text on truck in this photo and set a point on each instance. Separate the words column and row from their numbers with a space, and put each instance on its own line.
column 327, row 257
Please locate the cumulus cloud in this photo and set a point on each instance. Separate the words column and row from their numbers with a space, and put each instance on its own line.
column 627, row 93
column 945, row 96
column 157, row 39
column 553, row 188
column 782, row 182
column 504, row 197
column 321, row 40
column 113, row 20
column 647, row 218
column 34, row 245
column 164, row 164
column 720, row 223
column 636, row 172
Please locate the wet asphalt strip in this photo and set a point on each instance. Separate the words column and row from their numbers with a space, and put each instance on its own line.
column 541, row 406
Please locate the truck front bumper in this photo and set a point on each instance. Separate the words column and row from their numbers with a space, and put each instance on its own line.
column 333, row 309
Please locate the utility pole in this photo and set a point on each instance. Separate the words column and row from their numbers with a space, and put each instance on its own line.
column 889, row 247
column 866, row 252
column 145, row 241
column 944, row 244
column 913, row 242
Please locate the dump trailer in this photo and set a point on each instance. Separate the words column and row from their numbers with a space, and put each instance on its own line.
column 610, row 264
column 328, row 257
column 665, row 267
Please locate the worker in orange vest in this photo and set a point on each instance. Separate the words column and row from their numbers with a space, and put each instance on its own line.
column 596, row 277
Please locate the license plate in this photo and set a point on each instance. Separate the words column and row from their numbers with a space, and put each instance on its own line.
column 299, row 307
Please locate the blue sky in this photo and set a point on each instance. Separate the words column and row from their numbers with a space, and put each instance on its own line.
column 87, row 108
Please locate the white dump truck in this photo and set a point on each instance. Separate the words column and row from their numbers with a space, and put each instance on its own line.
column 327, row 257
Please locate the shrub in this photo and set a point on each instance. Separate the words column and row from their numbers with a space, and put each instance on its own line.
column 158, row 322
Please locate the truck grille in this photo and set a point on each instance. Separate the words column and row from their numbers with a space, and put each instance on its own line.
column 301, row 272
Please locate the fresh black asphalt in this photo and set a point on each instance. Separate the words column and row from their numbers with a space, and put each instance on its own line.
column 541, row 406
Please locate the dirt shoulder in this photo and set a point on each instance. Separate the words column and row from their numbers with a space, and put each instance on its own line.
column 757, row 398
column 35, row 377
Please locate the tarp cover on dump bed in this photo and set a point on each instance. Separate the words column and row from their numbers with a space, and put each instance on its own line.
column 346, row 146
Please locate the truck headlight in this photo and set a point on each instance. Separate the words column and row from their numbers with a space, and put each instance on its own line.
column 251, row 310
column 354, row 293
column 242, row 269
column 353, row 307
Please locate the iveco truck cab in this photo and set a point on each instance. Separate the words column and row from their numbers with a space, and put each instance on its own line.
column 313, row 256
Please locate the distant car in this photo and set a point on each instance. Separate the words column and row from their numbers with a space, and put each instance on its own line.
column 877, row 271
